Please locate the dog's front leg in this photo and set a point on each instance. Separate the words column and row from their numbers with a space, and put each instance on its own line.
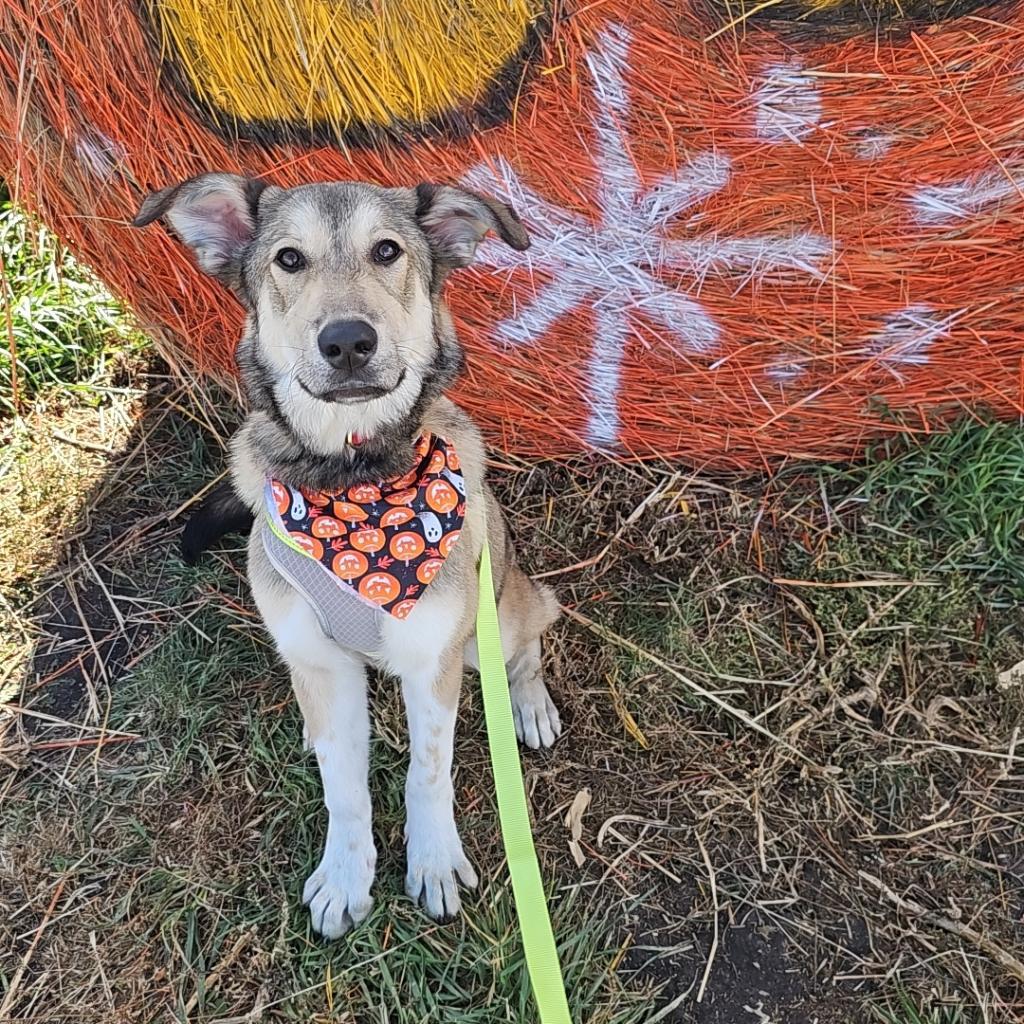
column 334, row 707
column 436, row 861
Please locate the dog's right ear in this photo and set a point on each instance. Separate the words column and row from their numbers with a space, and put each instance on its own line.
column 214, row 214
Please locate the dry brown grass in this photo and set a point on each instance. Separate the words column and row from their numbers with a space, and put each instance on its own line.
column 805, row 786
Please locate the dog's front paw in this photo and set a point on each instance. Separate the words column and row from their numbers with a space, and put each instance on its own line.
column 338, row 892
column 535, row 715
column 437, row 864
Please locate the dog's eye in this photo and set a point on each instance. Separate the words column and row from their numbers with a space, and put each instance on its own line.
column 386, row 251
column 290, row 260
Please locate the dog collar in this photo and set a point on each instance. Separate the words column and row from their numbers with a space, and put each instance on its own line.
column 384, row 542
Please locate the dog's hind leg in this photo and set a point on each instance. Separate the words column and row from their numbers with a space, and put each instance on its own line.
column 525, row 610
column 221, row 512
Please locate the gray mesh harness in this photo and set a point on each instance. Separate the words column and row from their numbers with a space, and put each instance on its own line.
column 344, row 616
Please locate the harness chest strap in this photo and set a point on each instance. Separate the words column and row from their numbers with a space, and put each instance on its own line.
column 342, row 615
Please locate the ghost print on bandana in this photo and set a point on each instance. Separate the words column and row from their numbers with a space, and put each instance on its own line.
column 384, row 542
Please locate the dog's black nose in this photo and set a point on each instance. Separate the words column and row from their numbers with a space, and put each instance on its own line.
column 347, row 344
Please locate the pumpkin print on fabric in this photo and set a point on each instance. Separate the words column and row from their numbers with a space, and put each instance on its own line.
column 397, row 516
column 364, row 494
column 447, row 543
column 380, row 587
column 402, row 609
column 403, row 497
column 350, row 565
column 328, row 526
column 441, row 496
column 349, row 511
column 407, row 546
column 369, row 538
column 282, row 499
column 429, row 569
column 386, row 542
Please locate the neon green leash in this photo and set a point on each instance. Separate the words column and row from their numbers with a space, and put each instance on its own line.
column 516, row 833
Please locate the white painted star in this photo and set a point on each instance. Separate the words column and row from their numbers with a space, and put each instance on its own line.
column 613, row 265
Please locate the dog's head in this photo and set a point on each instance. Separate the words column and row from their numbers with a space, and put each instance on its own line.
column 347, row 330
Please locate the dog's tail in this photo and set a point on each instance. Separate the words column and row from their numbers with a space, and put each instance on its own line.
column 220, row 513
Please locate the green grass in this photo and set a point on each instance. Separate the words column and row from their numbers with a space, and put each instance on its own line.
column 184, row 852
column 906, row 1010
column 65, row 326
column 960, row 490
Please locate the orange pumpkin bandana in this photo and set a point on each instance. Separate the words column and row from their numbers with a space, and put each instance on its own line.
column 385, row 542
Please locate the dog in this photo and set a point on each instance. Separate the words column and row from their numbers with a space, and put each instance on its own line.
column 347, row 350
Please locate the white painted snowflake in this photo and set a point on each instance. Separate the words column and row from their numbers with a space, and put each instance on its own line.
column 607, row 264
column 990, row 192
column 906, row 336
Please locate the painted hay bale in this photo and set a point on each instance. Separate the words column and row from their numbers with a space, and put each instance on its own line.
column 759, row 231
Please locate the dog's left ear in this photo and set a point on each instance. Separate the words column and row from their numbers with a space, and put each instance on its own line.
column 455, row 222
